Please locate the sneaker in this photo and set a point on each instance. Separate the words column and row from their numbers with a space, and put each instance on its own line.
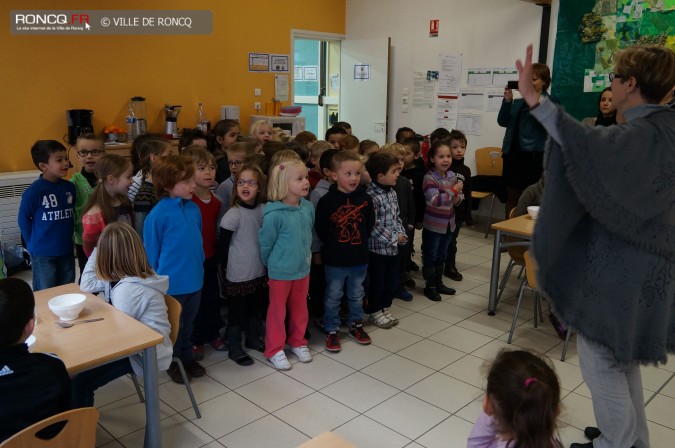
column 403, row 295
column 198, row 350
column 218, row 344
column 302, row 353
column 359, row 334
column 174, row 373
column 194, row 369
column 452, row 273
column 393, row 320
column 380, row 320
column 333, row 342
column 279, row 361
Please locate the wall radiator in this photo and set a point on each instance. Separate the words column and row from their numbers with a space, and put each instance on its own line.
column 12, row 186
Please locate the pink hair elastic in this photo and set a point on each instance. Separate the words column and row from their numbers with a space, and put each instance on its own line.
column 529, row 381
column 281, row 166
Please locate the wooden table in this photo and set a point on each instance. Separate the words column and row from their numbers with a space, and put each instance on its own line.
column 93, row 344
column 521, row 227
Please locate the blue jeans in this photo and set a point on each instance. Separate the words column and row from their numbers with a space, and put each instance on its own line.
column 85, row 383
column 183, row 346
column 435, row 247
column 52, row 271
column 336, row 277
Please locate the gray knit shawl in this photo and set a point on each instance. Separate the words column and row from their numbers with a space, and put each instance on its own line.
column 605, row 235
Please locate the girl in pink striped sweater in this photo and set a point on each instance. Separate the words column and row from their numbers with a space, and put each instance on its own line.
column 442, row 191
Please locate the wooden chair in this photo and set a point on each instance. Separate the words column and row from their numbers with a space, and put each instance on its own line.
column 532, row 285
column 516, row 259
column 79, row 431
column 488, row 163
column 174, row 309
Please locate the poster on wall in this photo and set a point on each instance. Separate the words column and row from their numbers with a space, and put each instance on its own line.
column 479, row 77
column 471, row 98
column 423, row 91
column 258, row 62
column 281, row 87
column 362, row 72
column 447, row 107
column 470, row 124
column 449, row 73
column 502, row 75
column 311, row 73
column 279, row 62
column 298, row 73
column 494, row 99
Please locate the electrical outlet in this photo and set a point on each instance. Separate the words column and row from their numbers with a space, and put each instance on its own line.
column 257, row 92
column 256, row 105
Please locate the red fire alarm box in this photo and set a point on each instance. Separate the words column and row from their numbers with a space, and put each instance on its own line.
column 433, row 28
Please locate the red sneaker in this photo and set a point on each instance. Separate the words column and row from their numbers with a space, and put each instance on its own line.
column 218, row 344
column 198, row 351
column 333, row 342
column 359, row 334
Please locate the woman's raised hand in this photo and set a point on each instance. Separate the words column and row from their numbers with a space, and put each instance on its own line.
column 525, row 79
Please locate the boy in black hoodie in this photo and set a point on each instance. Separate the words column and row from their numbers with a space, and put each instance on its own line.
column 457, row 141
column 344, row 219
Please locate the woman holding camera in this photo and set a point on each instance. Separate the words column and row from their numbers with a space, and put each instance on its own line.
column 523, row 147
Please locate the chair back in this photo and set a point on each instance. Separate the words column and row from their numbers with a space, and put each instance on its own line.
column 489, row 161
column 79, row 431
column 173, row 308
column 531, row 270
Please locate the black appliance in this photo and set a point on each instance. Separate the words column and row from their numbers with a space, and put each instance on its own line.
column 79, row 122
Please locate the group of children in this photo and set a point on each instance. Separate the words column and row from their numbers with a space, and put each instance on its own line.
column 338, row 208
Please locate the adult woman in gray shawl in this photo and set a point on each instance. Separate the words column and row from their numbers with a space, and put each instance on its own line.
column 605, row 237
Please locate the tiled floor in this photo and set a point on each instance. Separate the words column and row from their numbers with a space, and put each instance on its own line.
column 418, row 385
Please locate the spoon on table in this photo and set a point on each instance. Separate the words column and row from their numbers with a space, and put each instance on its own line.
column 70, row 324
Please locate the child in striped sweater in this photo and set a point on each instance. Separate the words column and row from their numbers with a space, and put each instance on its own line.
column 442, row 191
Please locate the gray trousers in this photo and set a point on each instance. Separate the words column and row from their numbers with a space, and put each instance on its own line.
column 618, row 399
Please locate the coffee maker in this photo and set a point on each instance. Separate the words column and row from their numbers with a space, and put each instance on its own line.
column 79, row 122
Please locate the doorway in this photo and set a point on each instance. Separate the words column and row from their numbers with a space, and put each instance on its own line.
column 316, row 81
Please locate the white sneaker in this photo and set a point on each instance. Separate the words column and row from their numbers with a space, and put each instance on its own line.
column 380, row 320
column 302, row 353
column 393, row 320
column 279, row 361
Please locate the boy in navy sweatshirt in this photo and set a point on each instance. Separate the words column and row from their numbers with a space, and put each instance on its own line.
column 46, row 217
column 344, row 220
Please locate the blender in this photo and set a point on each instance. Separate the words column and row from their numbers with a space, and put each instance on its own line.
column 171, row 126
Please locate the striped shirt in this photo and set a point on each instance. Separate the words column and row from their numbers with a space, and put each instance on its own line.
column 388, row 226
column 438, row 194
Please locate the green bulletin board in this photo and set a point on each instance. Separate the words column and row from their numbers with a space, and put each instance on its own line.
column 580, row 69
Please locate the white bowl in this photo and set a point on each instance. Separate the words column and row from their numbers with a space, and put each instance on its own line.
column 533, row 211
column 67, row 306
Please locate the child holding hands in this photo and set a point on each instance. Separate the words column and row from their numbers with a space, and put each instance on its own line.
column 285, row 248
column 442, row 190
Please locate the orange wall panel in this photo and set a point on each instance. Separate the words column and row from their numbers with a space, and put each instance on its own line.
column 43, row 76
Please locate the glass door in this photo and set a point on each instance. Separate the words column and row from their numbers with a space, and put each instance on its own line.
column 316, row 82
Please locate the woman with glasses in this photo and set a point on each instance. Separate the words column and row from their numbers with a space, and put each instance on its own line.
column 524, row 139
column 89, row 149
column 605, row 236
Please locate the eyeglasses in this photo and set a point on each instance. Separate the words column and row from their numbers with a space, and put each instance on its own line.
column 613, row 75
column 250, row 182
column 94, row 152
column 234, row 162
